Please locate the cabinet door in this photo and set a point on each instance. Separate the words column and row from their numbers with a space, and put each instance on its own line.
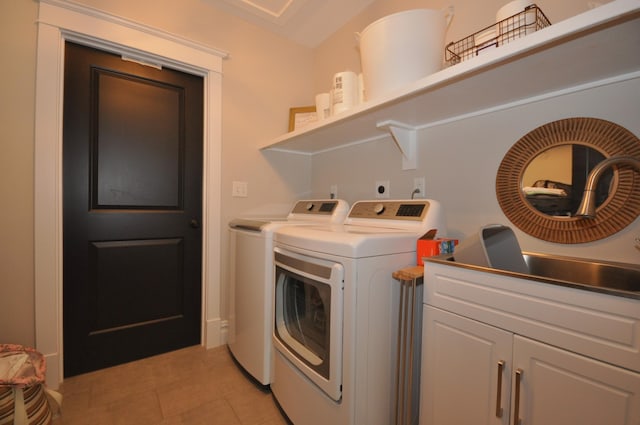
column 461, row 380
column 558, row 387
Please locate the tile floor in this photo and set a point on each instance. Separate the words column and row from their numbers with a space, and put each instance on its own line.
column 191, row 386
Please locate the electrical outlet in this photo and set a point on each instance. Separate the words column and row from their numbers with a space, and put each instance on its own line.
column 382, row 189
column 239, row 189
column 418, row 188
column 333, row 191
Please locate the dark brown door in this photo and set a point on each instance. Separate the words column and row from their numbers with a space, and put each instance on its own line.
column 132, row 179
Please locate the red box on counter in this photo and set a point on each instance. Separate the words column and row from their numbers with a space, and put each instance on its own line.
column 433, row 247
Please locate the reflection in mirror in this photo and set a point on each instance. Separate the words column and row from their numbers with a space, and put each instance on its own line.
column 554, row 180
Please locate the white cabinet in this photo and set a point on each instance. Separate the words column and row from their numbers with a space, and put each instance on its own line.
column 558, row 387
column 474, row 373
column 601, row 326
column 466, row 367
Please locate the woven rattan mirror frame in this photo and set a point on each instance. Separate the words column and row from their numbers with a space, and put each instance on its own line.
column 620, row 209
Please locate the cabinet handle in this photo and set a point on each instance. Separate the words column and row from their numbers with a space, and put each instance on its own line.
column 499, row 395
column 516, row 408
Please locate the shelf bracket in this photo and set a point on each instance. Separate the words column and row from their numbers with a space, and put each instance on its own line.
column 404, row 137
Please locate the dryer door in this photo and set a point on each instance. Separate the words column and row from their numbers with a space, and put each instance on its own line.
column 308, row 317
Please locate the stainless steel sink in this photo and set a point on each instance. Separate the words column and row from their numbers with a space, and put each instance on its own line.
column 604, row 274
column 614, row 278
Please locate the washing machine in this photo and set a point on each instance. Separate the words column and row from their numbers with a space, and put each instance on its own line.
column 251, row 280
column 335, row 332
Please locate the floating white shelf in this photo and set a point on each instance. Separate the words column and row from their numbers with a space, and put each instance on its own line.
column 600, row 45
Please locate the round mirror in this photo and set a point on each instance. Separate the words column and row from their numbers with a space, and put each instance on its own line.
column 541, row 179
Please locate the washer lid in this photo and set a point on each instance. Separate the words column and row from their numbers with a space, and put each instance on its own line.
column 255, row 225
column 302, row 212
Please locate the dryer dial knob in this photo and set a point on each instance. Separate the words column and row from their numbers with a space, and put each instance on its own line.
column 378, row 208
column 309, row 206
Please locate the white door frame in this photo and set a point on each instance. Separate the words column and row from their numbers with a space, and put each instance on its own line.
column 59, row 21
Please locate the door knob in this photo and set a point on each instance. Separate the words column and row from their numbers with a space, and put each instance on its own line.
column 194, row 223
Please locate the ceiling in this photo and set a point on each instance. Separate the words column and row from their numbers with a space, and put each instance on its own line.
column 307, row 22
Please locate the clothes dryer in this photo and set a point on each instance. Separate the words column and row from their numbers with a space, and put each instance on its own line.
column 336, row 312
column 251, row 280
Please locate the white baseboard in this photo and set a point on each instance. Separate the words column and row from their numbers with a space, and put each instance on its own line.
column 53, row 374
column 215, row 333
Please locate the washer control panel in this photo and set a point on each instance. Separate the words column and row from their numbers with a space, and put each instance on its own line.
column 319, row 206
column 314, row 207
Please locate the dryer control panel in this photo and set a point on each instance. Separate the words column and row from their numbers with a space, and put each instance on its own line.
column 413, row 210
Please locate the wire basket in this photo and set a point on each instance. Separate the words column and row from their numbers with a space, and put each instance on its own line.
column 502, row 32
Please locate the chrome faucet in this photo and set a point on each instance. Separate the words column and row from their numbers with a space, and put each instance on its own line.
column 587, row 208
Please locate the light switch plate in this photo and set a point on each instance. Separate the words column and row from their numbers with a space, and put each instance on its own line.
column 239, row 189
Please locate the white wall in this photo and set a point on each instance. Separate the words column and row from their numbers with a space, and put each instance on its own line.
column 460, row 160
column 17, row 108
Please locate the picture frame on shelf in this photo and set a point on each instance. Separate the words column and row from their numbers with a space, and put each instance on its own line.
column 302, row 116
